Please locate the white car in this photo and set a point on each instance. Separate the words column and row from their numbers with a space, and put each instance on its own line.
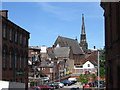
column 45, row 78
column 61, row 85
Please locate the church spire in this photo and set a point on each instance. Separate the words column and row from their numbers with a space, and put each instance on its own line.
column 83, row 41
column 83, row 25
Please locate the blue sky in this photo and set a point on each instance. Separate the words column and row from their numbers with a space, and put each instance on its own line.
column 47, row 20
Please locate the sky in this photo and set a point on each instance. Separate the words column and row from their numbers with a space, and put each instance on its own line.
column 47, row 20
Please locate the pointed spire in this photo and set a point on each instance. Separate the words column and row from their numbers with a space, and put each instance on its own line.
column 83, row 41
column 83, row 25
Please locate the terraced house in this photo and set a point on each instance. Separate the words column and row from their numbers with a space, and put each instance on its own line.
column 14, row 50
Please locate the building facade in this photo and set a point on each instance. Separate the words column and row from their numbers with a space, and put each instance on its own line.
column 112, row 43
column 14, row 51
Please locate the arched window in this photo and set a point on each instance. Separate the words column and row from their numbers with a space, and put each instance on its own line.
column 10, row 58
column 4, row 58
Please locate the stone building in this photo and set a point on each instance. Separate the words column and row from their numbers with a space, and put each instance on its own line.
column 112, row 43
column 14, row 43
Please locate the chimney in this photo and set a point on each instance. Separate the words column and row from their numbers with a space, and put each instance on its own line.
column 94, row 47
column 4, row 13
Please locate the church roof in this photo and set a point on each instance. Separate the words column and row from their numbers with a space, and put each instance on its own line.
column 67, row 42
column 62, row 52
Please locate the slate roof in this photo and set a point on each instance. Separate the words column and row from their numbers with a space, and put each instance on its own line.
column 62, row 52
column 94, row 63
column 92, row 57
column 51, row 53
column 67, row 42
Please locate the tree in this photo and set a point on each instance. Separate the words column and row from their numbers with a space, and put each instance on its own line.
column 93, row 77
column 83, row 78
column 102, row 64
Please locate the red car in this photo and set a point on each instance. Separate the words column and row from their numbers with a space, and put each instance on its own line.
column 86, row 86
column 46, row 87
column 35, row 88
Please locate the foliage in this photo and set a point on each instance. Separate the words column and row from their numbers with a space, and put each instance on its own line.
column 83, row 78
column 102, row 64
column 93, row 76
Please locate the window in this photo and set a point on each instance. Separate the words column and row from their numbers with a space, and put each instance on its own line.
column 20, row 38
column 16, row 36
column 4, row 58
column 10, row 62
column 80, row 66
column 24, row 62
column 25, row 41
column 4, row 31
column 15, row 60
column 10, row 34
column 20, row 62
column 88, row 65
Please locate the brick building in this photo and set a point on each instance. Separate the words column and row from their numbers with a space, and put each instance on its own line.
column 14, row 51
column 112, row 43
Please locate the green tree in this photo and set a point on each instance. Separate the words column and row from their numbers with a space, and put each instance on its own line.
column 93, row 77
column 102, row 64
column 83, row 78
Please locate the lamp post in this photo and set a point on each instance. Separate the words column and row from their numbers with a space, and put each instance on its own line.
column 98, row 70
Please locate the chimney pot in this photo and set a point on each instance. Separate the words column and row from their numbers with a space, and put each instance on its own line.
column 4, row 13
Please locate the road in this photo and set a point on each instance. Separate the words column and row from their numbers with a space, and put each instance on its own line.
column 69, row 87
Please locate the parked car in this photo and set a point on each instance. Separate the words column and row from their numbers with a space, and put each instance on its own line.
column 74, row 80
column 61, row 85
column 86, row 86
column 35, row 88
column 45, row 78
column 91, row 84
column 101, row 82
column 66, row 82
column 74, row 88
column 54, row 85
column 46, row 87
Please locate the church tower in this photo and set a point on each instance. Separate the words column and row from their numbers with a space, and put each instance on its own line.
column 83, row 42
